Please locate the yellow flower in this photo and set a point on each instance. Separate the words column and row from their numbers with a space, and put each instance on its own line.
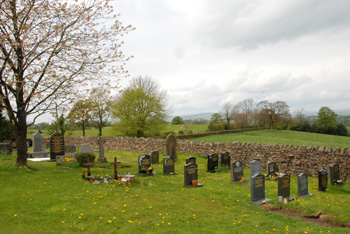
column 15, row 215
column 129, row 221
column 109, row 221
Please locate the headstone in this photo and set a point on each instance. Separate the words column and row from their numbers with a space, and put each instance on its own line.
column 169, row 166
column 322, row 180
column 303, row 185
column 29, row 142
column 56, row 145
column 213, row 162
column 170, row 146
column 155, row 157
column 334, row 173
column 270, row 169
column 6, row 148
column 86, row 148
column 225, row 159
column 257, row 188
column 236, row 171
column 70, row 149
column 144, row 164
column 191, row 174
column 284, row 189
column 191, row 160
column 101, row 158
column 38, row 147
column 255, row 168
column 88, row 165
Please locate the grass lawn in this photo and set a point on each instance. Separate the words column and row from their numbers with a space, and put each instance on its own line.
column 57, row 200
column 281, row 137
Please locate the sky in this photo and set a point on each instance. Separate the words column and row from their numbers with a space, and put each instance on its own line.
column 205, row 53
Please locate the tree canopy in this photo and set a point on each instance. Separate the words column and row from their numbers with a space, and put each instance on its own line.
column 141, row 109
column 177, row 120
column 48, row 48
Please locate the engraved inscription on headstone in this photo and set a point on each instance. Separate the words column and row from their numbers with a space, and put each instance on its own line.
column 56, row 145
column 284, row 188
column 191, row 174
column 257, row 187
column 169, row 166
column 144, row 164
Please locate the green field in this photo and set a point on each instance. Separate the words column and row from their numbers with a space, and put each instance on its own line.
column 57, row 200
column 281, row 137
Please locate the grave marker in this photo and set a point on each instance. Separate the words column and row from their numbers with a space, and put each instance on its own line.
column 257, row 188
column 270, row 169
column 115, row 163
column 191, row 160
column 169, row 166
column 225, row 159
column 86, row 148
column 284, row 189
column 322, row 180
column 145, row 165
column 236, row 171
column 101, row 158
column 155, row 157
column 56, row 145
column 88, row 165
column 255, row 168
column 334, row 173
column 303, row 186
column 170, row 146
column 38, row 146
column 191, row 174
column 6, row 148
column 213, row 162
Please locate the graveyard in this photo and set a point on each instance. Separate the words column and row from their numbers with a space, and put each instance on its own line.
column 44, row 198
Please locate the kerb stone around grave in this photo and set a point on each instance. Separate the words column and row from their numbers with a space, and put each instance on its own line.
column 38, row 146
column 257, row 188
column 56, row 145
column 236, row 171
column 334, row 173
column 155, row 157
column 255, row 168
column 303, row 186
column 225, row 159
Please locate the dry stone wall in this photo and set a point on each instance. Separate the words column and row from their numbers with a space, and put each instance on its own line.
column 290, row 159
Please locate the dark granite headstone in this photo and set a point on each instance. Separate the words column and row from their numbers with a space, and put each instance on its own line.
column 255, row 168
column 56, row 145
column 257, row 188
column 322, row 180
column 284, row 188
column 191, row 174
column 155, row 157
column 144, row 164
column 334, row 173
column 225, row 159
column 303, row 185
column 270, row 169
column 169, row 166
column 170, row 146
column 236, row 171
column 213, row 162
column 29, row 142
column 191, row 160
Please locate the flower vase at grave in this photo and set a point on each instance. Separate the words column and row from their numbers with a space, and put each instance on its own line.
column 194, row 182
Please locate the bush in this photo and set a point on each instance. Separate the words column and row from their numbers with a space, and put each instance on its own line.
column 83, row 158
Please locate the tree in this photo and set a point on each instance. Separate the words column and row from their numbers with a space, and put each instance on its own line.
column 80, row 114
column 242, row 113
column 216, row 118
column 100, row 107
column 177, row 120
column 141, row 109
column 226, row 112
column 47, row 49
column 327, row 121
column 272, row 113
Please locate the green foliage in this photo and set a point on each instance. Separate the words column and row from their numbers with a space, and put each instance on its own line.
column 83, row 157
column 141, row 109
column 302, row 126
column 177, row 120
column 6, row 129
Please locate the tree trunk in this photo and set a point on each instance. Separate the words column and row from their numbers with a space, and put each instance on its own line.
column 21, row 138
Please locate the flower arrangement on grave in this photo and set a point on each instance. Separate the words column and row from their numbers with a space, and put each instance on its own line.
column 120, row 176
column 194, row 182
column 149, row 170
column 90, row 178
column 339, row 182
column 275, row 176
column 241, row 178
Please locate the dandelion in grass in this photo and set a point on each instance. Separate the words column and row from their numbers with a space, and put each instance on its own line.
column 109, row 221
column 15, row 215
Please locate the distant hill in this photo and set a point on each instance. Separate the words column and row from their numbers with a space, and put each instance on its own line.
column 205, row 116
column 338, row 112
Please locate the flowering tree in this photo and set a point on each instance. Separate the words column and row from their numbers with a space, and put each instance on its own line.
column 48, row 48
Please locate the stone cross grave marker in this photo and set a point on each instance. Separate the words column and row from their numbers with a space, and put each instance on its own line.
column 191, row 174
column 191, row 160
column 213, row 162
column 155, row 157
column 170, row 146
column 257, row 188
column 334, row 173
column 236, row 171
column 255, row 168
column 86, row 148
column 284, row 189
column 322, row 180
column 144, row 164
column 303, row 186
column 225, row 159
column 169, row 166
column 270, row 169
column 56, row 145
column 101, row 158
column 38, row 147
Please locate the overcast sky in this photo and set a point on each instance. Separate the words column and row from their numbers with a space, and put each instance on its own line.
column 205, row 53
